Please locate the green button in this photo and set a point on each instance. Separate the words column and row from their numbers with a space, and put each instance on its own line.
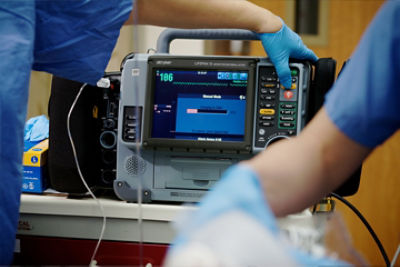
column 294, row 72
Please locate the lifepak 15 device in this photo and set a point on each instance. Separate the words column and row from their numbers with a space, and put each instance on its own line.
column 194, row 116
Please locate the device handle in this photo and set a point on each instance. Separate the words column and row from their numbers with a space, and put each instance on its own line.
column 170, row 34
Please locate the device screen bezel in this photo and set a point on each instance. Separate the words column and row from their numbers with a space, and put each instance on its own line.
column 199, row 64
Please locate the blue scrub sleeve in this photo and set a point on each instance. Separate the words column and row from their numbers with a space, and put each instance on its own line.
column 17, row 27
column 364, row 103
column 75, row 39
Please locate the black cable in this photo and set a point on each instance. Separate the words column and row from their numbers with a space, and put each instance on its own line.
column 371, row 231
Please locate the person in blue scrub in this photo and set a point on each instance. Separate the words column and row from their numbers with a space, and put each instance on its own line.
column 360, row 112
column 74, row 39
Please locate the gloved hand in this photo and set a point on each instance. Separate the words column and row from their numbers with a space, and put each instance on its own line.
column 282, row 45
column 234, row 226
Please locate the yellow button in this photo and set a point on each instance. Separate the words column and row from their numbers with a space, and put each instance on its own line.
column 267, row 111
column 294, row 86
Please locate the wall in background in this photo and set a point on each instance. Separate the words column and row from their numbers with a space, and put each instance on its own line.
column 39, row 93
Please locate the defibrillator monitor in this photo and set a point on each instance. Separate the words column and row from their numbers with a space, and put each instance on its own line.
column 199, row 103
column 195, row 116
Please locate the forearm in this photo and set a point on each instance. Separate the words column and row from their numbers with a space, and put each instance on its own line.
column 207, row 14
column 298, row 172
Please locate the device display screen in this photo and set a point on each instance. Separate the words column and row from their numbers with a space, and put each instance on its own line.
column 203, row 105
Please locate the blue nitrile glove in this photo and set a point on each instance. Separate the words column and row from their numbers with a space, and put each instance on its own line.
column 282, row 45
column 234, row 226
column 36, row 129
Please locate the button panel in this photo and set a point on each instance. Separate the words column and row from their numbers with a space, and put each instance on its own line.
column 131, row 124
column 277, row 106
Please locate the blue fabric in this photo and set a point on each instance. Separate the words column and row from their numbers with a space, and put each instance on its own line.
column 72, row 39
column 364, row 103
column 239, row 189
column 280, row 46
column 17, row 27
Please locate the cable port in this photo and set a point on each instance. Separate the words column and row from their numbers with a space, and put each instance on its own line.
column 108, row 176
column 108, row 157
column 108, row 139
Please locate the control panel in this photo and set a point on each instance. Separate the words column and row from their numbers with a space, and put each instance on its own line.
column 279, row 110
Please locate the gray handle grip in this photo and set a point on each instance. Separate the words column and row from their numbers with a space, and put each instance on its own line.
column 168, row 35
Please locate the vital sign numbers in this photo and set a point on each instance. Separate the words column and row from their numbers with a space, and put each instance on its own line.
column 166, row 77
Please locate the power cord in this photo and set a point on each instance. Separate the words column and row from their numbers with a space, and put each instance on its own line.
column 103, row 228
column 137, row 142
column 367, row 225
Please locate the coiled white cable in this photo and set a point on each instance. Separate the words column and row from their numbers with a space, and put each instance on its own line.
column 103, row 228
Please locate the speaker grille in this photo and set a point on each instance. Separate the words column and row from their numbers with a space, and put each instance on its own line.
column 135, row 165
